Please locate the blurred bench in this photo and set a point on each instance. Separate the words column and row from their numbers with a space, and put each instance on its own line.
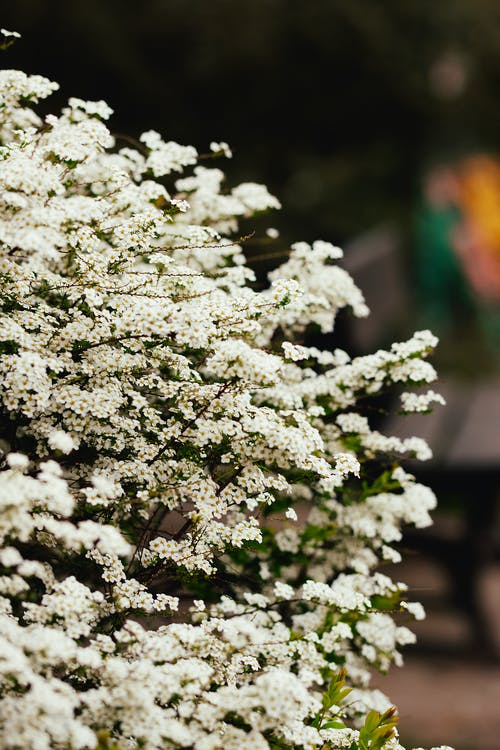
column 464, row 435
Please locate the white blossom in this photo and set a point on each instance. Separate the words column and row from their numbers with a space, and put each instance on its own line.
column 61, row 441
column 159, row 438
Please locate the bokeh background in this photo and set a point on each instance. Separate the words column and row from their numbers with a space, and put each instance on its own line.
column 377, row 124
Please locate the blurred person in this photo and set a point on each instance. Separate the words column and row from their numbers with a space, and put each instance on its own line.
column 458, row 257
column 442, row 286
column 477, row 239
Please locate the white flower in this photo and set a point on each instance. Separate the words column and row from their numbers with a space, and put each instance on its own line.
column 18, row 461
column 180, row 205
column 283, row 591
column 222, row 148
column 61, row 441
column 420, row 402
column 415, row 609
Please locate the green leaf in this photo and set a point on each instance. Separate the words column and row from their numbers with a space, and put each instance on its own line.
column 378, row 729
column 333, row 725
column 333, row 696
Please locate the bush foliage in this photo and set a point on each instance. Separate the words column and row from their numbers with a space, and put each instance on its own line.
column 193, row 510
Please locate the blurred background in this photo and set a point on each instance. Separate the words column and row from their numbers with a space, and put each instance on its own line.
column 378, row 127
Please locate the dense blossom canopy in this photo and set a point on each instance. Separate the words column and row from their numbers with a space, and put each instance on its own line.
column 163, row 422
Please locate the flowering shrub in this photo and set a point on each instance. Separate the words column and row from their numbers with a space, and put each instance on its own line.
column 160, row 428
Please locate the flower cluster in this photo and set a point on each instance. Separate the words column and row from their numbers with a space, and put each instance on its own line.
column 192, row 510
